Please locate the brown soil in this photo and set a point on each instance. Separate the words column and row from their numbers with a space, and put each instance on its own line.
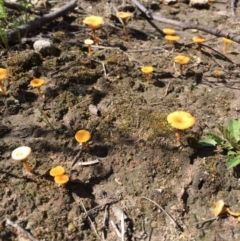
column 137, row 150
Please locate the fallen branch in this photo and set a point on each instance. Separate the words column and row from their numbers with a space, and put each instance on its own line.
column 15, row 35
column 20, row 230
column 17, row 6
column 184, row 26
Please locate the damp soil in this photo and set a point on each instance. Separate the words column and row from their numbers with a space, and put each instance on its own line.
column 138, row 153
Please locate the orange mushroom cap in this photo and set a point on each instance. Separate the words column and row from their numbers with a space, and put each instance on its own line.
column 181, row 120
column 93, row 21
column 61, row 179
column 218, row 72
column 57, row 171
column 181, row 59
column 220, row 208
column 83, row 136
column 147, row 69
column 199, row 39
column 124, row 15
column 37, row 82
column 227, row 40
column 3, row 74
column 168, row 31
column 172, row 38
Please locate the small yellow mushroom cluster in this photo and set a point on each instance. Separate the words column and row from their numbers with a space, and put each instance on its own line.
column 59, row 176
column 169, row 35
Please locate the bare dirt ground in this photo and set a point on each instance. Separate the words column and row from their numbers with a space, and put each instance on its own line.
column 138, row 153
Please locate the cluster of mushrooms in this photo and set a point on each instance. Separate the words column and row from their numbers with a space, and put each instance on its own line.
column 22, row 154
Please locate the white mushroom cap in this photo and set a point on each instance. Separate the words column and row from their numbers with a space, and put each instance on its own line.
column 88, row 41
column 21, row 153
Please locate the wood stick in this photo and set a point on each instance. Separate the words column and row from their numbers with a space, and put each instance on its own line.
column 184, row 26
column 15, row 35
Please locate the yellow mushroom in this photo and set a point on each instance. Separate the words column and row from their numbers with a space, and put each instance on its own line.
column 219, row 208
column 124, row 16
column 172, row 38
column 199, row 40
column 21, row 154
column 89, row 43
column 57, row 171
column 226, row 42
column 147, row 70
column 3, row 75
column 218, row 73
column 180, row 120
column 167, row 32
column 181, row 60
column 94, row 22
column 82, row 136
column 37, row 83
column 61, row 179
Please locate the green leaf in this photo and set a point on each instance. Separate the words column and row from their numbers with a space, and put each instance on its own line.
column 216, row 138
column 208, row 142
column 3, row 13
column 227, row 135
column 233, row 161
column 234, row 128
column 231, row 153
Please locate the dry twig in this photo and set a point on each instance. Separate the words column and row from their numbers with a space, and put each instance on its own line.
column 20, row 229
column 173, row 221
column 184, row 26
column 15, row 35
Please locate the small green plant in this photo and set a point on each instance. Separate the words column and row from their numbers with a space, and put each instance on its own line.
column 3, row 13
column 229, row 140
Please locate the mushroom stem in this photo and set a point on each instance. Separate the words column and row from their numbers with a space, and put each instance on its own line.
column 85, row 146
column 178, row 134
column 181, row 69
column 124, row 28
column 95, row 37
column 148, row 78
column 2, row 89
column 40, row 93
column 26, row 166
column 89, row 50
column 199, row 47
column 225, row 48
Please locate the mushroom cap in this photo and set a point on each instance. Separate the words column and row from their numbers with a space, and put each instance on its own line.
column 21, row 153
column 82, row 136
column 124, row 15
column 168, row 31
column 37, row 82
column 147, row 69
column 219, row 208
column 57, row 171
column 3, row 74
column 61, row 179
column 88, row 41
column 172, row 38
column 93, row 21
column 199, row 39
column 218, row 72
column 227, row 40
column 181, row 120
column 181, row 59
